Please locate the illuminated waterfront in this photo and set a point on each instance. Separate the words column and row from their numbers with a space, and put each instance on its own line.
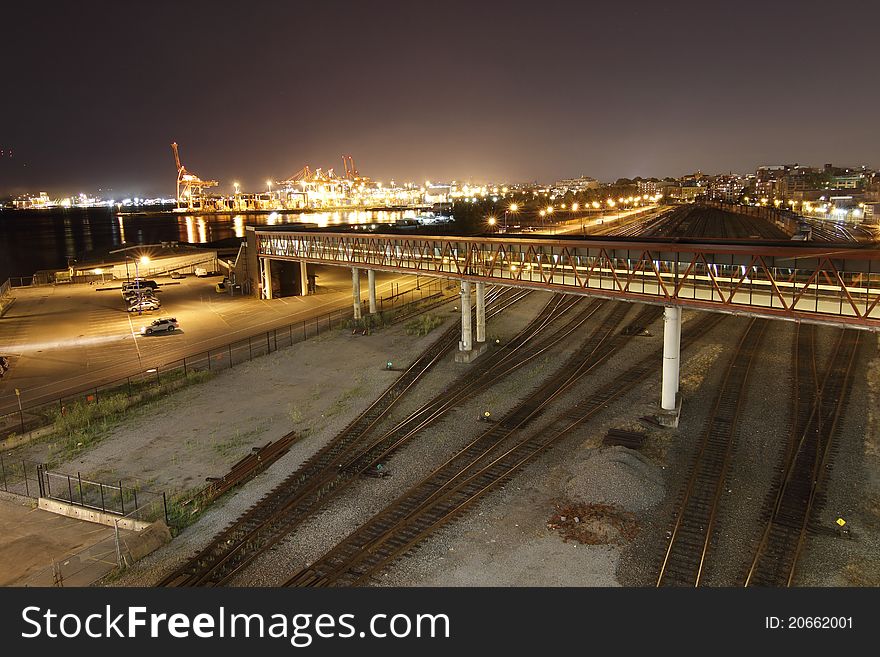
column 31, row 241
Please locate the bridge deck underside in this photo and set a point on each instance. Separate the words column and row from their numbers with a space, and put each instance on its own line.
column 826, row 285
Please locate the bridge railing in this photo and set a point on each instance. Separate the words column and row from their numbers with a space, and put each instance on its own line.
column 809, row 283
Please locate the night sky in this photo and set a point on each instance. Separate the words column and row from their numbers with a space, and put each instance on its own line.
column 95, row 92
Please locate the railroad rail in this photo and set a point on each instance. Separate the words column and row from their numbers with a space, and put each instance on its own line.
column 243, row 541
column 351, row 551
column 692, row 530
column 703, row 222
column 236, row 534
column 478, row 468
column 797, row 494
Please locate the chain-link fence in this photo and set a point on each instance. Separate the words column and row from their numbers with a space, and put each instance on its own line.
column 19, row 476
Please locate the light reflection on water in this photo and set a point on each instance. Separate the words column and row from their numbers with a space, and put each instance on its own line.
column 49, row 240
column 220, row 226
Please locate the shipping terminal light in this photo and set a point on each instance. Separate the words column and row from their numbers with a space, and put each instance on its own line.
column 514, row 207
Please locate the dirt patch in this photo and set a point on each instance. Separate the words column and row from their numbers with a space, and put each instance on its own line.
column 695, row 368
column 593, row 524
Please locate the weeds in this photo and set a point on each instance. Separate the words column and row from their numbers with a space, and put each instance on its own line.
column 422, row 325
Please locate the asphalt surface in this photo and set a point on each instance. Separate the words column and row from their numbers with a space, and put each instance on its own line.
column 64, row 338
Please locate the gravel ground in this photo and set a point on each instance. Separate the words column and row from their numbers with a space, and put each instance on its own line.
column 762, row 433
column 851, row 558
column 317, row 387
column 504, row 539
column 415, row 460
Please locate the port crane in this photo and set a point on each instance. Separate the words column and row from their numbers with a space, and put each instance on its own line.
column 189, row 185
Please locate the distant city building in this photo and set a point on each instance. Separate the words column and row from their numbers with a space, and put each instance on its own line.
column 574, row 185
column 652, row 187
column 769, row 180
column 685, row 193
column 726, row 187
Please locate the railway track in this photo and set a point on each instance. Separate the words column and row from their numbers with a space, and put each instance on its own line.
column 692, row 531
column 275, row 516
column 481, row 466
column 797, row 493
column 328, row 456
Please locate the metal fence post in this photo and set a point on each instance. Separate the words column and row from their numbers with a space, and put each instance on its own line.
column 80, row 481
column 48, row 483
column 101, row 488
column 268, row 343
column 121, row 498
column 128, row 378
column 184, row 365
column 229, row 347
column 165, row 506
column 209, row 360
column 3, row 467
column 27, row 489
column 69, row 490
column 136, row 507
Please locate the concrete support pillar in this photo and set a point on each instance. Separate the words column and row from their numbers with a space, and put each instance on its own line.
column 303, row 278
column 481, row 312
column 356, row 291
column 467, row 340
column 267, row 278
column 371, row 283
column 671, row 356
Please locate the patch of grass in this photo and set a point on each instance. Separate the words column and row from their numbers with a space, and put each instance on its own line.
column 294, row 414
column 80, row 425
column 184, row 508
column 422, row 325
column 239, row 439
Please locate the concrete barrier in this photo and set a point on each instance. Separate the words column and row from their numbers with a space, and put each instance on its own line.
column 91, row 515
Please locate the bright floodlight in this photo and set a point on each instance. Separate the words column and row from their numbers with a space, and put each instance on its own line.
column 514, row 207
column 491, row 221
column 145, row 260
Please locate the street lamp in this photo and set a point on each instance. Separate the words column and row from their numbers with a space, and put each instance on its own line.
column 512, row 209
column 492, row 221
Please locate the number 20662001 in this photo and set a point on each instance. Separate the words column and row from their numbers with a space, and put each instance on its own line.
column 808, row 623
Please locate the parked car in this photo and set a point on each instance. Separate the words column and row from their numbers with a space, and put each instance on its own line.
column 201, row 272
column 177, row 274
column 134, row 295
column 139, row 282
column 144, row 305
column 164, row 324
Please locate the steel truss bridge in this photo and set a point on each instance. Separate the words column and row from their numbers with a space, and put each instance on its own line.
column 828, row 284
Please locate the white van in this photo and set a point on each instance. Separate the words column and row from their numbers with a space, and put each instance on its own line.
column 201, row 272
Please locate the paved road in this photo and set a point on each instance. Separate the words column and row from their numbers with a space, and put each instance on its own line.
column 68, row 337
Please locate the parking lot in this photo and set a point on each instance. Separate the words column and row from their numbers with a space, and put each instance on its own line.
column 72, row 336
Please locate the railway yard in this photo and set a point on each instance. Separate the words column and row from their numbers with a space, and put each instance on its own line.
column 539, row 463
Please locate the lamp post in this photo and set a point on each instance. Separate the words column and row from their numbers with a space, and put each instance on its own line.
column 512, row 208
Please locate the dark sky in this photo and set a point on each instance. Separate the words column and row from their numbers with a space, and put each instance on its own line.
column 94, row 92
